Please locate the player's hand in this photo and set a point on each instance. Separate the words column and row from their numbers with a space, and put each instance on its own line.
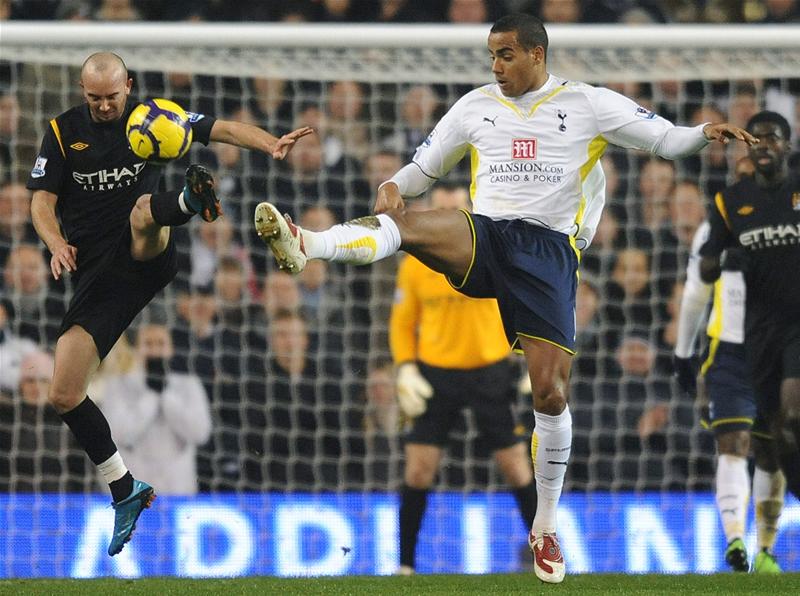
column 413, row 391
column 725, row 132
column 653, row 421
column 686, row 373
column 287, row 142
column 64, row 259
column 389, row 197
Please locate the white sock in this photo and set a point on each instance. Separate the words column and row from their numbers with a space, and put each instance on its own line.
column 733, row 494
column 360, row 241
column 550, row 447
column 113, row 468
column 768, row 492
column 182, row 204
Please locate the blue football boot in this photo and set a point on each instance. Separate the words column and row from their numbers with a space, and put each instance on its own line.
column 127, row 511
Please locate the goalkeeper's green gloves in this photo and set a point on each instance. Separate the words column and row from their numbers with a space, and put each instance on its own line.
column 413, row 390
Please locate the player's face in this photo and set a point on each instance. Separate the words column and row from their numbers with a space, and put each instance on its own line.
column 106, row 94
column 770, row 152
column 515, row 69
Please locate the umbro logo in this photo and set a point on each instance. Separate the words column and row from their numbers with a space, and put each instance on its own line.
column 79, row 146
column 745, row 210
column 490, row 120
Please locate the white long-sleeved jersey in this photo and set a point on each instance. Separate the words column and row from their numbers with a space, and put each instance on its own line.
column 535, row 157
column 726, row 321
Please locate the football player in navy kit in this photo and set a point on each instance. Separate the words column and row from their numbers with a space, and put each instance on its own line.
column 95, row 208
column 762, row 215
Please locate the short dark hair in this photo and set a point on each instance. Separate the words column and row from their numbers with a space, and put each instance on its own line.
column 530, row 30
column 774, row 118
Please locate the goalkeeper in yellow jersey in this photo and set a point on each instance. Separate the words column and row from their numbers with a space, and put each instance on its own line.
column 450, row 352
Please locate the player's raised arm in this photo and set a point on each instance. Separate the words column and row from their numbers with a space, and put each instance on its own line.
column 626, row 124
column 43, row 214
column 248, row 136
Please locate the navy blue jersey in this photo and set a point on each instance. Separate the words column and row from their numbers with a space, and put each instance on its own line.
column 97, row 177
column 766, row 224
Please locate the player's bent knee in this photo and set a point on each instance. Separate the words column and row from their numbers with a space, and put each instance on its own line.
column 734, row 443
column 63, row 401
column 141, row 216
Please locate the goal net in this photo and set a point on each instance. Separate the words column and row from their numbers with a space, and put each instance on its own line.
column 297, row 469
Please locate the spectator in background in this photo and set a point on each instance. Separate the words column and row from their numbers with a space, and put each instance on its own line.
column 9, row 134
column 117, row 10
column 13, row 350
column 346, row 125
column 231, row 287
column 713, row 164
column 686, row 211
column 37, row 452
column 309, row 180
column 271, row 106
column 211, row 244
column 781, row 11
column 656, row 184
column 37, row 310
column 159, row 417
column 294, row 418
column 561, row 11
column 743, row 104
column 628, row 297
column 418, row 113
column 382, row 426
column 15, row 218
column 469, row 11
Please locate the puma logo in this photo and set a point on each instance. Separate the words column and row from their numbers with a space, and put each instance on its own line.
column 490, row 120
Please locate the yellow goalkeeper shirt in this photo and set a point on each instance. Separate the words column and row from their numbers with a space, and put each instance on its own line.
column 433, row 323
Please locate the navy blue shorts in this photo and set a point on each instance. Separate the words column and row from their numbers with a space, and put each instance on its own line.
column 533, row 273
column 732, row 401
column 107, row 300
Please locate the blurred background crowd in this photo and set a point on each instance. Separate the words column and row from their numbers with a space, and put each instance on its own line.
column 409, row 11
column 242, row 377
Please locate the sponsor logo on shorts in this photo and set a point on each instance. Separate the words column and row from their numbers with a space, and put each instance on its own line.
column 523, row 149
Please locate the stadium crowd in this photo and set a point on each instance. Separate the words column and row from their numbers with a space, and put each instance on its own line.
column 294, row 371
column 410, row 11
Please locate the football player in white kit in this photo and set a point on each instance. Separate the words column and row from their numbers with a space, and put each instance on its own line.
column 534, row 141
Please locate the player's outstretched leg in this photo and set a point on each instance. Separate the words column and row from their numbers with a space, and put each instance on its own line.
column 358, row 242
column 126, row 512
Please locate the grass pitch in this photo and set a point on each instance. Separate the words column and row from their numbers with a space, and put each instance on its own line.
column 451, row 585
